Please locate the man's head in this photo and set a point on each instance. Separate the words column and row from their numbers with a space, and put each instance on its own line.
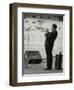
column 54, row 27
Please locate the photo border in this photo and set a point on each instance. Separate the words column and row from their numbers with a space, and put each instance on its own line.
column 13, row 43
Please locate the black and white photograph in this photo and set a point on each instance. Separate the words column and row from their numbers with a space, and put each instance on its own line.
column 42, row 43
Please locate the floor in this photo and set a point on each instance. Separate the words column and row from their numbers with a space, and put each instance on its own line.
column 39, row 68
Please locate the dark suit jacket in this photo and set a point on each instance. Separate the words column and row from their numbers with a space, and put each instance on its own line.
column 49, row 41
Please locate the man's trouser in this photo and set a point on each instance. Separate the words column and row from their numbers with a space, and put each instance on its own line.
column 49, row 57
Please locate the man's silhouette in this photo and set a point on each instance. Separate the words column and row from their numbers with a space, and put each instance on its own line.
column 49, row 43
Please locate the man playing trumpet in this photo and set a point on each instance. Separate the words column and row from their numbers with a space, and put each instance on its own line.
column 49, row 43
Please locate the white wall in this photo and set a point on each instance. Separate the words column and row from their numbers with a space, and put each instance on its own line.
column 4, row 46
column 35, row 39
